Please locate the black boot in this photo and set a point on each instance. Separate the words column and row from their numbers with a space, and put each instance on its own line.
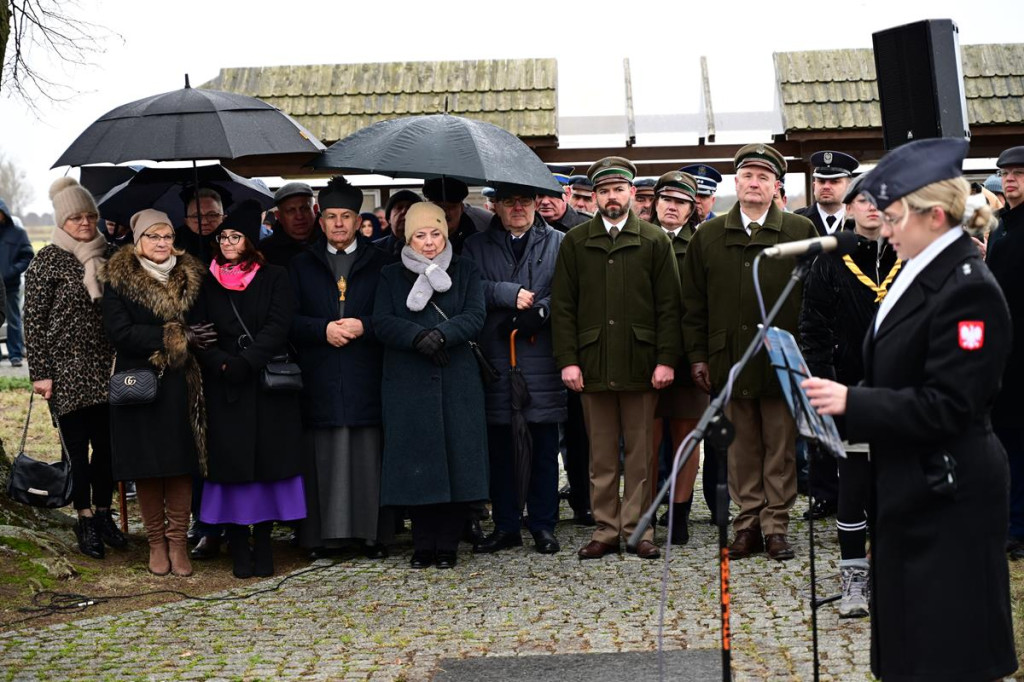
column 88, row 534
column 681, row 522
column 262, row 553
column 109, row 532
column 238, row 545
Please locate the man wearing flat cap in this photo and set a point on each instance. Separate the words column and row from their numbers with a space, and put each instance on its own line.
column 334, row 283
column 581, row 198
column 395, row 208
column 832, row 174
column 296, row 220
column 720, row 319
column 463, row 220
column 707, row 184
column 1006, row 261
column 615, row 318
column 644, row 198
column 556, row 211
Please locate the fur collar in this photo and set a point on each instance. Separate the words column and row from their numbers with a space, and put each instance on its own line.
column 169, row 301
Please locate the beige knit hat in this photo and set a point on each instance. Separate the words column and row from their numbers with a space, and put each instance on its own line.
column 145, row 219
column 70, row 198
column 424, row 215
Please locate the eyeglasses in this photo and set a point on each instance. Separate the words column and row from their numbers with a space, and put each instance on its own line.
column 893, row 221
column 84, row 218
column 229, row 238
column 1015, row 173
column 154, row 238
column 525, row 202
column 208, row 217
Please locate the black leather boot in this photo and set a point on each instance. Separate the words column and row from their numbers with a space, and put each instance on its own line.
column 88, row 534
column 109, row 532
column 681, row 522
column 262, row 553
column 238, row 545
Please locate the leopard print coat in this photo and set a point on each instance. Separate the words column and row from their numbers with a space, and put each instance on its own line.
column 64, row 333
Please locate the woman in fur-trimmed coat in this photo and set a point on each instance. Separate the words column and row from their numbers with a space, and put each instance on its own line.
column 150, row 290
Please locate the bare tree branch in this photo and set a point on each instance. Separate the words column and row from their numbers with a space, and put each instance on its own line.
column 14, row 185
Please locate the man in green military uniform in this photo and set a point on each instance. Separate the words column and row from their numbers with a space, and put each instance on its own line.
column 615, row 318
column 720, row 319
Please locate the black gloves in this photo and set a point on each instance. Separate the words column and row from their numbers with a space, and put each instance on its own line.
column 236, row 370
column 430, row 342
column 529, row 322
column 200, row 336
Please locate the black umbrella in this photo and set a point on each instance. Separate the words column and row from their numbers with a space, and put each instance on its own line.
column 189, row 124
column 442, row 145
column 167, row 189
column 101, row 179
column 522, row 440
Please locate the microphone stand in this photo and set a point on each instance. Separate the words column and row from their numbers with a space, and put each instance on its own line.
column 714, row 426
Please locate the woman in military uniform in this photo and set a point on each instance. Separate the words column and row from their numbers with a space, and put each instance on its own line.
column 933, row 359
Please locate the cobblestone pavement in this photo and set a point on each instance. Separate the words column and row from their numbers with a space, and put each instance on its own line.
column 381, row 620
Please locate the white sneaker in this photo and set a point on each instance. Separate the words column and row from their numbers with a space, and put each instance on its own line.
column 856, row 592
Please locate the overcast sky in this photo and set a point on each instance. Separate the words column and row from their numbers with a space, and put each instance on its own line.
column 160, row 42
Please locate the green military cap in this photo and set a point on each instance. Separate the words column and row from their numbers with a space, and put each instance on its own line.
column 678, row 185
column 611, row 169
column 760, row 154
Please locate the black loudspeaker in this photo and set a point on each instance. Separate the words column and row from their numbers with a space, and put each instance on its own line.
column 920, row 82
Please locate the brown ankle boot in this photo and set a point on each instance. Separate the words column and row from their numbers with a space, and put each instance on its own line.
column 178, row 493
column 150, row 496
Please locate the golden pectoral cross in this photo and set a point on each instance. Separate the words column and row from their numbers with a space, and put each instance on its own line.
column 342, row 286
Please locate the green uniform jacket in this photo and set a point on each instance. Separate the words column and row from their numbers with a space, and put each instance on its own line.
column 721, row 313
column 615, row 307
column 679, row 244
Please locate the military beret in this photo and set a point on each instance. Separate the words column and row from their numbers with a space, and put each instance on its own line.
column 706, row 176
column 340, row 194
column 445, row 189
column 678, row 185
column 611, row 169
column 292, row 189
column 760, row 154
column 912, row 166
column 645, row 186
column 581, row 185
column 854, row 189
column 994, row 184
column 561, row 172
column 1014, row 156
column 828, row 165
column 246, row 218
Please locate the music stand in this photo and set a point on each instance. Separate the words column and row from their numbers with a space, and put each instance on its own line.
column 818, row 431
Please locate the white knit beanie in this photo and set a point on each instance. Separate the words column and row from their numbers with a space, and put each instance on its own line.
column 70, row 198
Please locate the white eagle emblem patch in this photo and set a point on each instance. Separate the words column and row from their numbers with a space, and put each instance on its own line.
column 972, row 334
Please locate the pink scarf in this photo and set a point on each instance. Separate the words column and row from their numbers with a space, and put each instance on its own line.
column 233, row 277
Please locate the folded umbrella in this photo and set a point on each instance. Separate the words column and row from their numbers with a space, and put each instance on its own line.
column 442, row 145
column 167, row 189
column 522, row 440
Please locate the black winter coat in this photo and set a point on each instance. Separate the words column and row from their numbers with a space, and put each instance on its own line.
column 341, row 386
column 435, row 436
column 1006, row 261
column 279, row 248
column 503, row 277
column 145, row 322
column 940, row 584
column 838, row 308
column 252, row 434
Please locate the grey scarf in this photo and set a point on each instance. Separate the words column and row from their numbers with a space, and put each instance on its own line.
column 433, row 275
column 158, row 271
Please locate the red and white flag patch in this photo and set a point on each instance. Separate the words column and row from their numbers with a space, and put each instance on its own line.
column 972, row 334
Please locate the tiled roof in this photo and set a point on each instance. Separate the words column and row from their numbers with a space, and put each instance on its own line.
column 335, row 100
column 836, row 89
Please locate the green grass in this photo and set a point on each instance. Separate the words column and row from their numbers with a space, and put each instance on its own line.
column 14, row 384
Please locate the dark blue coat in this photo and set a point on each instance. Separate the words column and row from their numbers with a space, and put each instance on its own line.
column 15, row 252
column 435, row 436
column 503, row 277
column 341, row 386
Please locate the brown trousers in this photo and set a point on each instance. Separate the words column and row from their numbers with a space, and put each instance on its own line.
column 762, row 463
column 611, row 415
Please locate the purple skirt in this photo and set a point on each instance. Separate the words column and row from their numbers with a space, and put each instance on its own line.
column 256, row 502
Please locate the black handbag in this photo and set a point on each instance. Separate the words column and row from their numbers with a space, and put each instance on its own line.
column 133, row 386
column 488, row 373
column 281, row 373
column 40, row 484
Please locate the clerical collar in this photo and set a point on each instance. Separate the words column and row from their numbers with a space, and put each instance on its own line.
column 608, row 225
column 350, row 249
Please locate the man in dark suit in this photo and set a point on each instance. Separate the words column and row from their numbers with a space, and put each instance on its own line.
column 832, row 173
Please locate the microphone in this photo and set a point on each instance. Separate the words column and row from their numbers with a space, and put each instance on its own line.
column 843, row 242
